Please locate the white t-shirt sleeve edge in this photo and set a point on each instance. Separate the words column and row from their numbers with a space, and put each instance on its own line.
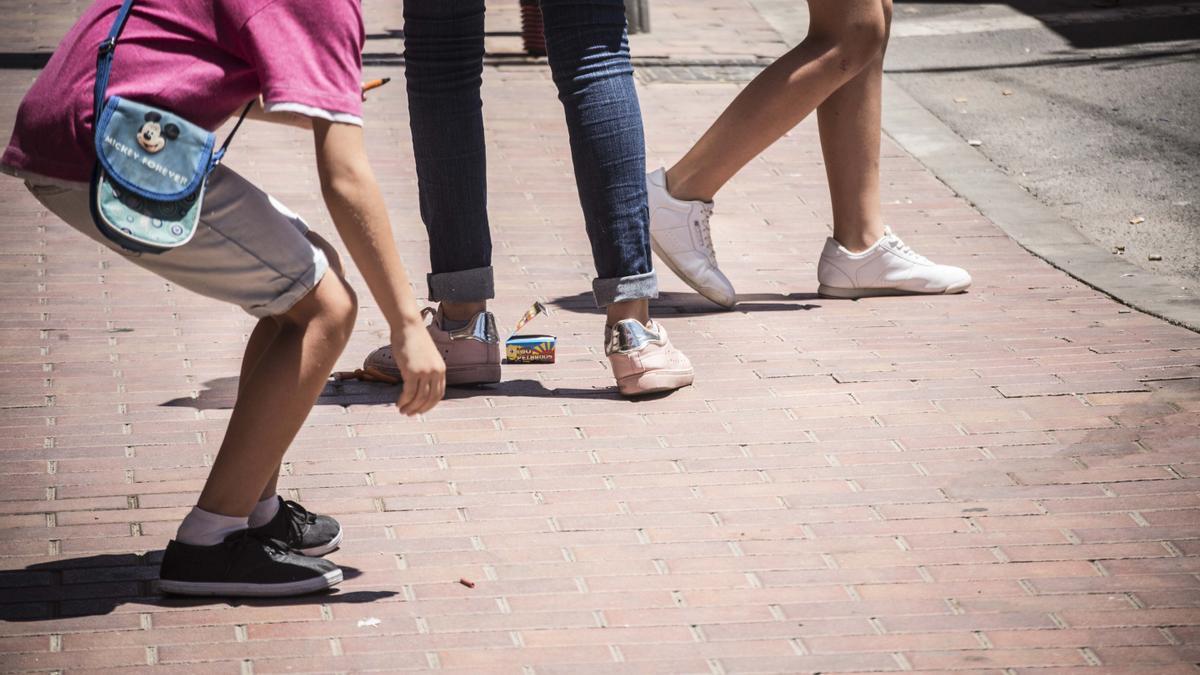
column 312, row 111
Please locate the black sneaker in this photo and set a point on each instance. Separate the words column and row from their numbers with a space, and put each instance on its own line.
column 245, row 564
column 302, row 531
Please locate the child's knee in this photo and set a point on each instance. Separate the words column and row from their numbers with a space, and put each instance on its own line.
column 332, row 307
column 341, row 307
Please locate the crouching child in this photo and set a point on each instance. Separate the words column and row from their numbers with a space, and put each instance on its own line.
column 194, row 64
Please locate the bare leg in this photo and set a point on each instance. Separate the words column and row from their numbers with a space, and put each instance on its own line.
column 265, row 333
column 630, row 309
column 462, row 311
column 260, row 341
column 277, row 395
column 849, row 122
column 844, row 37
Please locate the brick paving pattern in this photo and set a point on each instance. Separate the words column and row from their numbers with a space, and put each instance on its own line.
column 1002, row 481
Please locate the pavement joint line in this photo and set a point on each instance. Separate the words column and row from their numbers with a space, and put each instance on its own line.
column 1169, row 636
column 1027, row 586
column 901, row 661
column 1090, row 656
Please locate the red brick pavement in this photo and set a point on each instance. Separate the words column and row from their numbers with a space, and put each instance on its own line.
column 1000, row 481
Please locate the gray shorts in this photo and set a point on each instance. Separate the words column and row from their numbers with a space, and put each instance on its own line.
column 249, row 249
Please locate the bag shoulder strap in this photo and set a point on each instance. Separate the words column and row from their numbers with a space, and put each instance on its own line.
column 229, row 139
column 105, row 57
column 104, row 61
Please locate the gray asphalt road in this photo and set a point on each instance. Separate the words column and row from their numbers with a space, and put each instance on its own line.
column 1091, row 105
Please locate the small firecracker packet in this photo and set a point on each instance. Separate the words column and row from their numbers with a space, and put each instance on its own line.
column 530, row 348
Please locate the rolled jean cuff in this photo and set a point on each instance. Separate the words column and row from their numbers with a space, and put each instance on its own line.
column 623, row 289
column 473, row 285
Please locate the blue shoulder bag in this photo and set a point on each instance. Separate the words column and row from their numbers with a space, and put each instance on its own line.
column 148, row 185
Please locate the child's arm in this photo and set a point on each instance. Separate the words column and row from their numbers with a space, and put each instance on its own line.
column 356, row 205
column 258, row 111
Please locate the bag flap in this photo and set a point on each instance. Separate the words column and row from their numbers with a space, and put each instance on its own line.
column 152, row 152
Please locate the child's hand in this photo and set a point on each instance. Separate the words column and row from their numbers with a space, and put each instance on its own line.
column 421, row 368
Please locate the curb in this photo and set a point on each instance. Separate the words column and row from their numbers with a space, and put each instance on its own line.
column 1026, row 220
column 1034, row 226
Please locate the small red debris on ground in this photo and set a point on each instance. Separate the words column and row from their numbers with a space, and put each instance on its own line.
column 467, row 582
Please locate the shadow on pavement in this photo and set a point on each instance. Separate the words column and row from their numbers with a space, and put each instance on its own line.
column 221, row 393
column 1095, row 24
column 1067, row 60
column 98, row 584
column 693, row 304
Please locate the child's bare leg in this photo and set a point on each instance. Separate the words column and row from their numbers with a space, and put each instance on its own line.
column 849, row 122
column 265, row 333
column 844, row 37
column 277, row 394
column 260, row 340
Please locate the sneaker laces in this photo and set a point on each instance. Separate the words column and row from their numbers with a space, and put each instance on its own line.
column 907, row 250
column 299, row 518
column 706, row 211
column 241, row 540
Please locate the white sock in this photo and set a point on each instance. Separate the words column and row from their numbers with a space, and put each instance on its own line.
column 264, row 511
column 201, row 528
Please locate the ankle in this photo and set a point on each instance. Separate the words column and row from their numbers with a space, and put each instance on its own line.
column 264, row 511
column 858, row 240
column 683, row 186
column 205, row 528
column 462, row 311
column 631, row 309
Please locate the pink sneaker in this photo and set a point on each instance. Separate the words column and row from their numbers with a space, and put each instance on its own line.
column 643, row 360
column 472, row 353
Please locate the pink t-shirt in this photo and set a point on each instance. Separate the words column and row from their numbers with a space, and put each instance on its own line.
column 200, row 59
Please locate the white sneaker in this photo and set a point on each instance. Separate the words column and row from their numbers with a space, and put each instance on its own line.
column 679, row 234
column 889, row 267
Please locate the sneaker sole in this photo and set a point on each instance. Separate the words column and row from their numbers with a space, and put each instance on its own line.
column 686, row 279
column 324, row 548
column 243, row 590
column 855, row 293
column 466, row 375
column 655, row 382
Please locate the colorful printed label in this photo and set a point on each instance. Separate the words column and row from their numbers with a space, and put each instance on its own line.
column 530, row 348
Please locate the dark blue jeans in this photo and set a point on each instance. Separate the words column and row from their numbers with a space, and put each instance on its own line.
column 589, row 58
